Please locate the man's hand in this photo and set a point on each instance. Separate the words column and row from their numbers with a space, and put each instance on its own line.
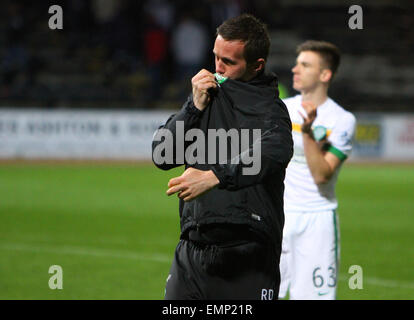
column 322, row 165
column 202, row 82
column 192, row 183
column 310, row 109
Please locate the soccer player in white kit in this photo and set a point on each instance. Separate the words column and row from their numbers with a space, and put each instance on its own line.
column 322, row 136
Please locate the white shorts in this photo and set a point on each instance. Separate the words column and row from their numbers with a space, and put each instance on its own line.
column 310, row 256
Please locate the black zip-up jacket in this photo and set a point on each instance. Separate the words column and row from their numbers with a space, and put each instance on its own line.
column 252, row 200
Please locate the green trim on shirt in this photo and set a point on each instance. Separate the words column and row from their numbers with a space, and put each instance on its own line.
column 341, row 156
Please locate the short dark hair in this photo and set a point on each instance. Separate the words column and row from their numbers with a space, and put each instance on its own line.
column 251, row 31
column 329, row 53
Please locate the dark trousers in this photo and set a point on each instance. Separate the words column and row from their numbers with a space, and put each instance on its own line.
column 243, row 270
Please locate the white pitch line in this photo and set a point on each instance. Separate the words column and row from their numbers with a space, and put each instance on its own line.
column 383, row 282
column 162, row 258
column 390, row 283
column 95, row 252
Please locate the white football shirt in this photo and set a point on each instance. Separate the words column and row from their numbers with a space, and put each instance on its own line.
column 302, row 194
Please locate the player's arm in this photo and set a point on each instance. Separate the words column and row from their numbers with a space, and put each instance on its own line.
column 189, row 116
column 322, row 164
column 165, row 136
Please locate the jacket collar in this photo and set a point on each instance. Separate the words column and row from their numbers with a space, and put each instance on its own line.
column 264, row 79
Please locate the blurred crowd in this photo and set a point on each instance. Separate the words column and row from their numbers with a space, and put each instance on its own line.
column 153, row 42
column 128, row 53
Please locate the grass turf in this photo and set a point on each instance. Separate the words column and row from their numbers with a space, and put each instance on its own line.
column 113, row 230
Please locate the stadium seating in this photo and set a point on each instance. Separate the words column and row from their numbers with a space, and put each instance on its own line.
column 73, row 70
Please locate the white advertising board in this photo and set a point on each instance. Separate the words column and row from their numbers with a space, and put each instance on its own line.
column 381, row 136
column 78, row 134
column 399, row 140
column 87, row 134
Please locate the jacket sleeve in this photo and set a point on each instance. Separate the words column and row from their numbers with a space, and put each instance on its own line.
column 166, row 153
column 271, row 154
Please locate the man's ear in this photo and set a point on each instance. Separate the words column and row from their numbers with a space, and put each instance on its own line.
column 259, row 65
column 326, row 75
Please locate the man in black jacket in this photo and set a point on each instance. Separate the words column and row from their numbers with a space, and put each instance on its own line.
column 231, row 203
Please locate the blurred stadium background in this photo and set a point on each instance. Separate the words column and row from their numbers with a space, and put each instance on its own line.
column 78, row 108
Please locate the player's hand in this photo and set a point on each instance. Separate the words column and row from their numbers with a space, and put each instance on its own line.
column 310, row 116
column 192, row 183
column 201, row 83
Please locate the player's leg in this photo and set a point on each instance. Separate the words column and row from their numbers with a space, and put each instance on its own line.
column 286, row 262
column 180, row 281
column 316, row 254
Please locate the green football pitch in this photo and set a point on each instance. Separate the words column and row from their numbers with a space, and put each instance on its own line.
column 113, row 231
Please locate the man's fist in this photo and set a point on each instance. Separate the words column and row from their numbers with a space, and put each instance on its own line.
column 310, row 116
column 202, row 82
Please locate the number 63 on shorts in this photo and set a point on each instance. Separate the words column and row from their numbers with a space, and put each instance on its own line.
column 320, row 279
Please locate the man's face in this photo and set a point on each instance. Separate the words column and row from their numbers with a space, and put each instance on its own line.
column 230, row 61
column 307, row 72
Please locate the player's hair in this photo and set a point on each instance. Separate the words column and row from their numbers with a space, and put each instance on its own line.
column 251, row 31
column 329, row 53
